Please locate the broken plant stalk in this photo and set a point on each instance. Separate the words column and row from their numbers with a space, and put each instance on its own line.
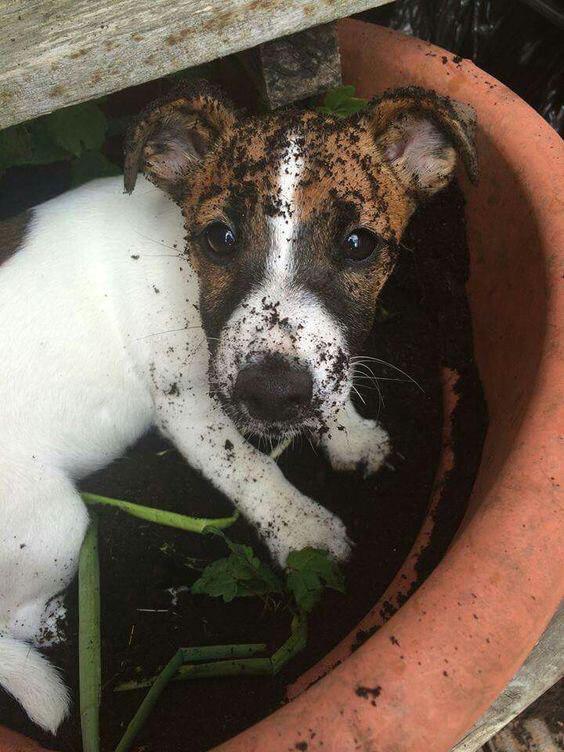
column 201, row 655
column 89, row 616
column 161, row 516
column 238, row 665
column 293, row 645
column 89, row 639
column 149, row 702
column 187, row 663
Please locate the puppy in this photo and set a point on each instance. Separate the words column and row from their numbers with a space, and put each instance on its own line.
column 237, row 315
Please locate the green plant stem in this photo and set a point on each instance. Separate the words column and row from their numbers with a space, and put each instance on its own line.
column 218, row 652
column 217, row 669
column 201, row 655
column 89, row 639
column 162, row 517
column 237, row 666
column 149, row 701
column 242, row 663
column 241, row 667
column 293, row 645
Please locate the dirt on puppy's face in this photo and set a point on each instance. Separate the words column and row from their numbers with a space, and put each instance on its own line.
column 294, row 223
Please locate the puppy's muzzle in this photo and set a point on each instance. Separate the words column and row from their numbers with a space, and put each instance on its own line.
column 274, row 390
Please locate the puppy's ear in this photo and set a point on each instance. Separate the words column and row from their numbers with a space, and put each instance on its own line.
column 420, row 133
column 174, row 134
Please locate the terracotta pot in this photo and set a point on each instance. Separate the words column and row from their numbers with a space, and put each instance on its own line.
column 461, row 637
column 12, row 742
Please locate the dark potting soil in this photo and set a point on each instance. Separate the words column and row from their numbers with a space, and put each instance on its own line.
column 422, row 322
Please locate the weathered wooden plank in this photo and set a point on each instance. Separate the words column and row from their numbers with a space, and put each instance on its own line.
column 531, row 735
column 54, row 53
column 542, row 669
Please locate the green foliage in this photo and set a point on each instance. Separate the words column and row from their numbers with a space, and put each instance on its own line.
column 243, row 575
column 77, row 129
column 76, row 135
column 239, row 575
column 308, row 573
column 73, row 134
column 342, row 102
column 90, row 165
column 15, row 147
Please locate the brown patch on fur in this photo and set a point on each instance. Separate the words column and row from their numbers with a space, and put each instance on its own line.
column 173, row 133
column 364, row 289
column 13, row 232
column 222, row 168
column 456, row 119
column 345, row 184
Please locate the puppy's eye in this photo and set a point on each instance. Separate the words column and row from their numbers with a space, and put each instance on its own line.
column 360, row 244
column 220, row 239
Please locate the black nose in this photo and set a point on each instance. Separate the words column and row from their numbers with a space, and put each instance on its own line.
column 273, row 390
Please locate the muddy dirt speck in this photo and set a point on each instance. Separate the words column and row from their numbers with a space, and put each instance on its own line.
column 368, row 692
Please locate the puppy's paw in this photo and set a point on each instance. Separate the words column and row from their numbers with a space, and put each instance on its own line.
column 302, row 522
column 360, row 444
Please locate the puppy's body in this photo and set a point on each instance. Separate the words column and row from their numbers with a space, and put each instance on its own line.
column 74, row 393
column 240, row 312
column 78, row 392
column 101, row 338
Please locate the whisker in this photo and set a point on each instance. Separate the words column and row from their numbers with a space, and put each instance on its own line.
column 406, row 247
column 168, row 331
column 361, row 358
column 160, row 255
column 377, row 389
column 158, row 242
column 361, row 398
column 383, row 378
column 371, row 377
column 370, row 388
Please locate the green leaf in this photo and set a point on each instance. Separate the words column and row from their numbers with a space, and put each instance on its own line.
column 44, row 149
column 239, row 575
column 15, row 146
column 339, row 94
column 218, row 581
column 309, row 572
column 342, row 102
column 77, row 129
column 91, row 165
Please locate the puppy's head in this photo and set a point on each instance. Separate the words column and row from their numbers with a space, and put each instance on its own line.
column 293, row 227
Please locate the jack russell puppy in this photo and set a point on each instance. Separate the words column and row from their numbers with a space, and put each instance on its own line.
column 238, row 314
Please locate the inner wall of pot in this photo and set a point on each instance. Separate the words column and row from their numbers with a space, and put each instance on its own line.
column 508, row 293
column 507, row 287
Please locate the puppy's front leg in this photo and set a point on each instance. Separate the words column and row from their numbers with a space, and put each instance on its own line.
column 285, row 518
column 355, row 442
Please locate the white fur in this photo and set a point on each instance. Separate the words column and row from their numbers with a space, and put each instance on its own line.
column 30, row 679
column 100, row 339
column 354, row 441
column 280, row 262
